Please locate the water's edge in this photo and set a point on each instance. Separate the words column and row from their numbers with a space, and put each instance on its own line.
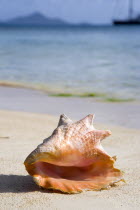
column 62, row 93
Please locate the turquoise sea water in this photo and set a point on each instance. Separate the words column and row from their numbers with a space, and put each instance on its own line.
column 98, row 59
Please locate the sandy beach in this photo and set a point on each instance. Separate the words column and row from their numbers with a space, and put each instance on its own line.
column 22, row 130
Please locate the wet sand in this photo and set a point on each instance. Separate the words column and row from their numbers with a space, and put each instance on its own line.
column 125, row 114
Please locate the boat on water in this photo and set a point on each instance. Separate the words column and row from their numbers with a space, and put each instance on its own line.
column 131, row 20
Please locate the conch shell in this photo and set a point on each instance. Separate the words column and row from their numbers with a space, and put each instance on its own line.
column 72, row 159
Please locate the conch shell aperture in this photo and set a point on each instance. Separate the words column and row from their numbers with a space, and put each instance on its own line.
column 72, row 159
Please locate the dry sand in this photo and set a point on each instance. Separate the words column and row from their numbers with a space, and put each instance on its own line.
column 21, row 132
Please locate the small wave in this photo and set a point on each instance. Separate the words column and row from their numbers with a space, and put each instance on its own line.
column 40, row 87
column 15, row 85
column 59, row 92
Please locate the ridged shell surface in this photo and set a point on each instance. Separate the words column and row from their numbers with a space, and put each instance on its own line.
column 72, row 159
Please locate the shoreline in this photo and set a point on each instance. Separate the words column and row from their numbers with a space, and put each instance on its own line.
column 60, row 92
column 26, row 100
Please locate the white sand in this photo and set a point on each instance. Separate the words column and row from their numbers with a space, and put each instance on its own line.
column 24, row 131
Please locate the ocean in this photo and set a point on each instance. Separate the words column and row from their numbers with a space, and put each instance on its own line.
column 103, row 60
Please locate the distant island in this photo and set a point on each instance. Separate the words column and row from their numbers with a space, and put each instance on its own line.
column 38, row 19
column 34, row 19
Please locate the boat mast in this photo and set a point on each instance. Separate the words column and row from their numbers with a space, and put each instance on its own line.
column 130, row 11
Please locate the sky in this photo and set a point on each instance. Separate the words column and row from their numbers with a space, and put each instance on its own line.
column 92, row 11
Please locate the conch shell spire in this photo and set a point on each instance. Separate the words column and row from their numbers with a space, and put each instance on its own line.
column 72, row 159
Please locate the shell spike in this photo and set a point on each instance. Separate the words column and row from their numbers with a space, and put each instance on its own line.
column 105, row 134
column 64, row 120
column 88, row 120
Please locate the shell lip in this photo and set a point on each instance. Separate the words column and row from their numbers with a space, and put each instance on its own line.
column 77, row 191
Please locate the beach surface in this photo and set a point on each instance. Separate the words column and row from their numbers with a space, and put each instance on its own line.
column 21, row 131
column 124, row 114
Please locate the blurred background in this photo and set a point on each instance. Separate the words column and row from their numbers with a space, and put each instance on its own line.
column 72, row 47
